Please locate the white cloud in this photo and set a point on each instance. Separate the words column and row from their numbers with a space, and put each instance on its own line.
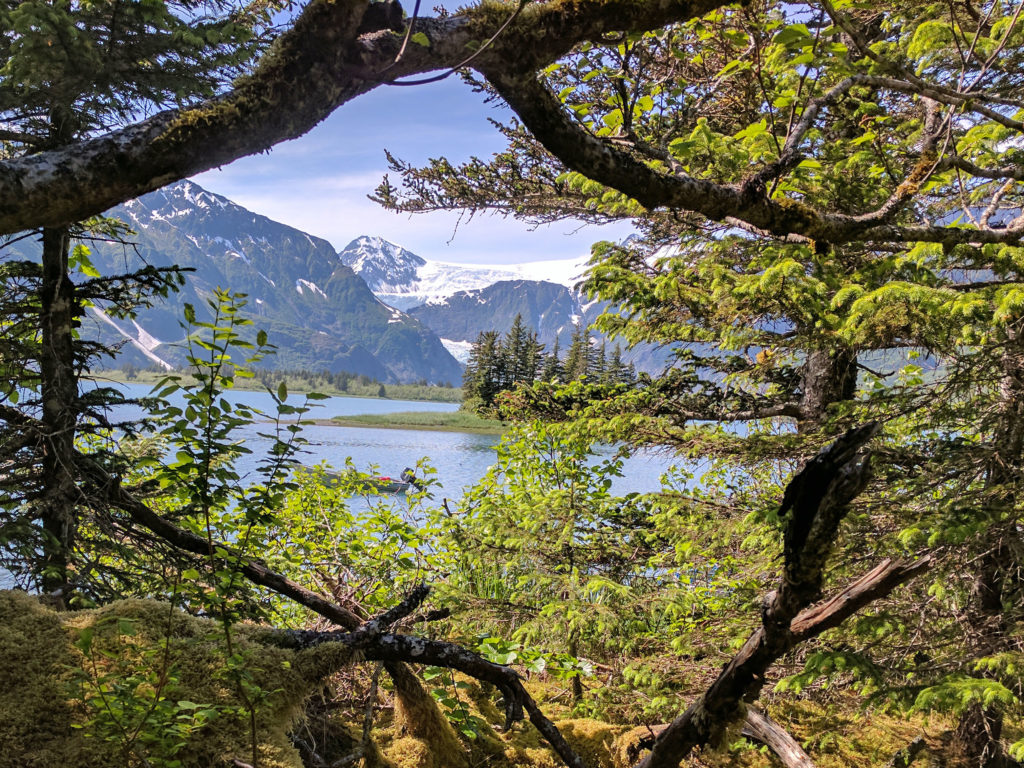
column 319, row 183
column 336, row 208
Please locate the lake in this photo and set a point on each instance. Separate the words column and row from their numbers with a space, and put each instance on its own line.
column 460, row 458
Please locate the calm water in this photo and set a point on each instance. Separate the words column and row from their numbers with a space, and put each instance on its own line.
column 459, row 458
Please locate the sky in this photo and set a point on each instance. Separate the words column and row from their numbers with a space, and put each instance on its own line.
column 319, row 182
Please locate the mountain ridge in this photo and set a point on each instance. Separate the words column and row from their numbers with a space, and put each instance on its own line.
column 405, row 280
column 316, row 310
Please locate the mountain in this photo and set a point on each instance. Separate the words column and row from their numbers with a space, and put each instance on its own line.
column 404, row 280
column 316, row 310
column 458, row 301
column 547, row 308
column 339, row 311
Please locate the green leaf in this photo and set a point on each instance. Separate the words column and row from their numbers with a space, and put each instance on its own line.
column 125, row 626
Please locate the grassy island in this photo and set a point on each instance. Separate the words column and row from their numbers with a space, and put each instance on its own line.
column 458, row 421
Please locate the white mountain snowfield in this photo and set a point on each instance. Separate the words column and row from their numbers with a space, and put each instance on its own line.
column 398, row 278
column 458, row 349
column 141, row 340
column 402, row 279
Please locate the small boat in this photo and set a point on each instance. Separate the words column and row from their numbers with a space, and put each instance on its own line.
column 376, row 483
column 385, row 484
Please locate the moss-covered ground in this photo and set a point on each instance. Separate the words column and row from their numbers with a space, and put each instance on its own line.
column 125, row 685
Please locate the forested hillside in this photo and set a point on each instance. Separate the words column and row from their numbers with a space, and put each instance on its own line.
column 831, row 575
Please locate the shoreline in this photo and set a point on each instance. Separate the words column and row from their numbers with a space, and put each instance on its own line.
column 426, row 421
column 345, row 421
column 150, row 378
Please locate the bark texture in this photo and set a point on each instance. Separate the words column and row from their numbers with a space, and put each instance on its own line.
column 58, row 316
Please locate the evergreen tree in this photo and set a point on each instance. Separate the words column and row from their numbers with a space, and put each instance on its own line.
column 781, row 330
column 619, row 372
column 533, row 358
column 482, row 378
column 578, row 358
column 521, row 354
column 598, row 364
column 552, row 368
column 71, row 70
column 513, row 355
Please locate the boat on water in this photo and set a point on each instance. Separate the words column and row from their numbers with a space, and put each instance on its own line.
column 376, row 483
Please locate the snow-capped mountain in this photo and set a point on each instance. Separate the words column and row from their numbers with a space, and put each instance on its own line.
column 548, row 308
column 458, row 301
column 402, row 279
column 317, row 311
column 324, row 310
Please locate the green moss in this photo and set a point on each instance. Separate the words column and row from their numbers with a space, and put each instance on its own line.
column 436, row 745
column 35, row 717
column 52, row 664
column 410, row 752
column 593, row 740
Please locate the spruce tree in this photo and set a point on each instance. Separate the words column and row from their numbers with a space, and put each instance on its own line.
column 71, row 70
column 482, row 377
column 514, row 345
column 577, row 359
column 789, row 336
column 552, row 367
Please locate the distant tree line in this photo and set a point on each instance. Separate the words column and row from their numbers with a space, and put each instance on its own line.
column 338, row 380
column 499, row 363
column 327, row 382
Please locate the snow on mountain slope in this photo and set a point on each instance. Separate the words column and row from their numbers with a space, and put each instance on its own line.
column 458, row 349
column 402, row 279
column 320, row 314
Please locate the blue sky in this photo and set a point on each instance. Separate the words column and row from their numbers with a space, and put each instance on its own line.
column 319, row 183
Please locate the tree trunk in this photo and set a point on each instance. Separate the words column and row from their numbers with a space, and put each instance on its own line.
column 420, row 717
column 978, row 736
column 760, row 727
column 577, row 681
column 59, row 312
column 980, row 727
column 829, row 376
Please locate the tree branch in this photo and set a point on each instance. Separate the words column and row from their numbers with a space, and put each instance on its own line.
column 813, row 505
column 760, row 727
column 578, row 149
column 327, row 58
column 366, row 637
